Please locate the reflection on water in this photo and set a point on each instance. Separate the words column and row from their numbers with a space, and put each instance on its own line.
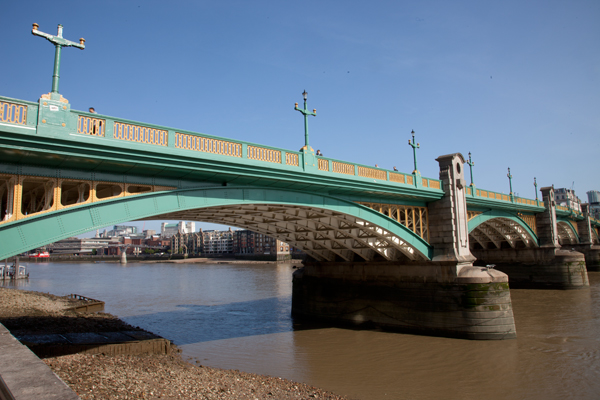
column 238, row 317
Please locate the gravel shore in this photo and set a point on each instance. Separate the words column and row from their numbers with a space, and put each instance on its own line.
column 149, row 376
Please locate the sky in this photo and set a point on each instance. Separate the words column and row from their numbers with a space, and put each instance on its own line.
column 516, row 83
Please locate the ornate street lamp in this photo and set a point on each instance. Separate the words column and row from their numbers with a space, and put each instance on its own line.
column 471, row 167
column 59, row 43
column 535, row 185
column 510, row 181
column 415, row 146
column 306, row 113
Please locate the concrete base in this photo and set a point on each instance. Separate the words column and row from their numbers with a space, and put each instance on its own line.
column 538, row 268
column 424, row 299
column 24, row 376
column 591, row 253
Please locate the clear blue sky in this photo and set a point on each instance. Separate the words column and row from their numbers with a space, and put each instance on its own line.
column 517, row 83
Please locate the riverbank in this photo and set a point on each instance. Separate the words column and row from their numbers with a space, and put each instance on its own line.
column 149, row 376
column 151, row 259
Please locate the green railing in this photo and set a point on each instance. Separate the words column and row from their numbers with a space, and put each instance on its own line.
column 502, row 197
column 102, row 127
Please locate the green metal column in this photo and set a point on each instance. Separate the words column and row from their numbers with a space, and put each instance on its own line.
column 59, row 43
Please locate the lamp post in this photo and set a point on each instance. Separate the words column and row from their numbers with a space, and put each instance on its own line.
column 510, row 181
column 535, row 185
column 471, row 167
column 415, row 146
column 306, row 113
column 59, row 43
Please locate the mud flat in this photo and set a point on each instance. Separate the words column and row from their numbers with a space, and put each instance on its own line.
column 133, row 376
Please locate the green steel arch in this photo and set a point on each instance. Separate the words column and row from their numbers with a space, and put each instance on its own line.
column 508, row 227
column 567, row 234
column 324, row 226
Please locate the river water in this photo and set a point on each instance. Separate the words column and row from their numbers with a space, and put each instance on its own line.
column 237, row 316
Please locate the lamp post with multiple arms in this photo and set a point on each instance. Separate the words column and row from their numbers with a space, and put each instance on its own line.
column 415, row 146
column 471, row 163
column 59, row 42
column 535, row 185
column 306, row 113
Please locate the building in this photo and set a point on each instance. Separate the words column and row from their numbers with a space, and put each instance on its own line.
column 594, row 200
column 217, row 242
column 567, row 198
column 87, row 246
column 121, row 230
column 186, row 243
column 148, row 233
column 157, row 243
column 251, row 243
column 168, row 230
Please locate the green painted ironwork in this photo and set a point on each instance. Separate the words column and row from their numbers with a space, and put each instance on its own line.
column 35, row 231
column 306, row 113
column 414, row 146
column 107, row 154
column 471, row 164
column 59, row 42
column 510, row 181
column 493, row 214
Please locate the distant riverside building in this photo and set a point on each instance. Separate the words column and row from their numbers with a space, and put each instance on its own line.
column 217, row 242
column 121, row 230
column 75, row 245
column 186, row 243
column 593, row 197
column 567, row 198
column 157, row 242
column 168, row 230
column 594, row 200
column 252, row 243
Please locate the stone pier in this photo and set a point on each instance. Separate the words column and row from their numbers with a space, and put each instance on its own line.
column 446, row 296
column 586, row 245
column 546, row 267
column 420, row 298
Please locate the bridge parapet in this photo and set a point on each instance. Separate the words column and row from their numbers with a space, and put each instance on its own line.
column 483, row 197
column 18, row 112
column 73, row 123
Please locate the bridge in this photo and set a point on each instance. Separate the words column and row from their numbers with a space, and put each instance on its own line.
column 66, row 172
column 385, row 247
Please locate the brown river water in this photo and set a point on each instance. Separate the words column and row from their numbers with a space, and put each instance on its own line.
column 237, row 316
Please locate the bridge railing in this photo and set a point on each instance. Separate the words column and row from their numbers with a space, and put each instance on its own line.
column 502, row 197
column 562, row 210
column 103, row 127
column 18, row 112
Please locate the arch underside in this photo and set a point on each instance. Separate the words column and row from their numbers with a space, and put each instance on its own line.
column 324, row 234
column 501, row 232
column 566, row 233
column 326, row 228
column 595, row 236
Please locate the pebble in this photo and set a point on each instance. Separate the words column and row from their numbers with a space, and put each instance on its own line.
column 148, row 376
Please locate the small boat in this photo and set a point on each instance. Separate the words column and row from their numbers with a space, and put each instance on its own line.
column 43, row 254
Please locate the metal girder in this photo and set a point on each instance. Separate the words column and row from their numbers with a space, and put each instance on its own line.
column 498, row 230
column 566, row 234
column 325, row 227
